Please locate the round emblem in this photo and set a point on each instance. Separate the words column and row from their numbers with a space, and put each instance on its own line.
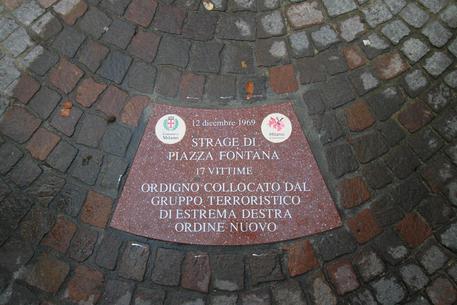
column 276, row 127
column 170, row 129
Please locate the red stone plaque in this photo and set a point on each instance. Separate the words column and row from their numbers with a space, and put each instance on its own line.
column 225, row 177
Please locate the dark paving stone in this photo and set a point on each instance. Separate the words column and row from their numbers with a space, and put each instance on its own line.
column 148, row 296
column 392, row 132
column 306, row 65
column 335, row 243
column 21, row 295
column 446, row 125
column 386, row 211
column 168, row 81
column 185, row 297
column 10, row 155
column 68, row 41
column 87, row 165
column 167, row 266
column 25, row 172
column 337, row 91
column 119, row 33
column 313, row 102
column 173, row 51
column 70, row 200
column 363, row 81
column 333, row 61
column 169, row 19
column 341, row 159
column 14, row 208
column 44, row 102
column 66, row 124
column 94, row 22
column 117, row 292
column 200, row 26
column 43, row 62
column 62, row 156
column 91, row 131
column 265, row 267
column 14, row 254
column 391, row 247
column 116, row 139
column 45, row 188
column 237, row 27
column 133, row 261
column 385, row 103
column 144, row 45
column 110, row 175
column 227, row 272
column 409, row 193
column 270, row 52
column 5, row 190
column 328, row 127
column 369, row 146
column 377, row 175
column 92, row 54
column 221, row 88
column 425, row 143
column 82, row 244
column 238, row 58
column 115, row 66
column 118, row 7
column 402, row 161
column 108, row 251
column 142, row 77
column 259, row 88
column 205, row 57
column 435, row 211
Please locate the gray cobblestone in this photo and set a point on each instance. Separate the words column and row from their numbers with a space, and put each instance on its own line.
column 338, row 7
column 433, row 259
column 388, row 291
column 395, row 31
column 300, row 44
column 374, row 45
column 414, row 15
column 369, row 265
column 395, row 6
column 420, row 300
column 364, row 297
column 28, row 12
column 8, row 72
column 7, row 26
column 272, row 24
column 46, row 26
column 376, row 13
column 416, row 82
column 434, row 5
column 453, row 47
column 449, row 237
column 449, row 15
column 414, row 277
column 414, row 49
column 324, row 37
column 437, row 63
column 18, row 42
column 351, row 27
column 437, row 34
column 451, row 79
column 40, row 60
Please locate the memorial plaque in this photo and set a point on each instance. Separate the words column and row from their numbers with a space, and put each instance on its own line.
column 224, row 177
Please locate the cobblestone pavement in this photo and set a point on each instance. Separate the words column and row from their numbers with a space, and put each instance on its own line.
column 374, row 83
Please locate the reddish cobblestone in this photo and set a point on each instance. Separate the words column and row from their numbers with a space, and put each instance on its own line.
column 65, row 75
column 413, row 229
column 12, row 4
column 283, row 80
column 353, row 191
column 19, row 124
column 141, row 11
column 96, row 209
column 441, row 292
column 191, row 87
column 85, row 287
column 354, row 56
column 300, row 258
column 48, row 273
column 25, row 88
column 61, row 234
column 88, row 91
column 358, row 116
column 144, row 45
column 389, row 65
column 42, row 143
column 133, row 110
column 343, row 276
column 196, row 272
column 112, row 101
column 364, row 226
column 46, row 3
column 415, row 116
